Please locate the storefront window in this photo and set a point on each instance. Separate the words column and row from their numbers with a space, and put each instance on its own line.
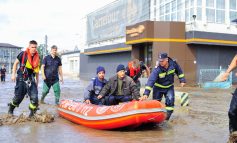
column 210, row 3
column 220, row 16
column 233, row 4
column 210, row 15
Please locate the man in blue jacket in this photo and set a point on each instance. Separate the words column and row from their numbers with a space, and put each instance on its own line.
column 162, row 80
column 91, row 93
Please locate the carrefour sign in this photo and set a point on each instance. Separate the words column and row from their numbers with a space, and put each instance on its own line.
column 111, row 21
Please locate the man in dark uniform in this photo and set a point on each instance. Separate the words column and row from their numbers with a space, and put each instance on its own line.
column 27, row 78
column 51, row 67
column 3, row 73
column 162, row 79
column 233, row 104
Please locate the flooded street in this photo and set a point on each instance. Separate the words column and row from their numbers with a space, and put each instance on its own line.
column 204, row 121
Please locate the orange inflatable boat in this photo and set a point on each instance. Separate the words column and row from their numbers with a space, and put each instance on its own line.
column 126, row 114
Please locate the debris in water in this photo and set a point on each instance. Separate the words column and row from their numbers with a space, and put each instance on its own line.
column 233, row 137
column 44, row 117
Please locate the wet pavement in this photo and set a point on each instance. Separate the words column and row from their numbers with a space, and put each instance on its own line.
column 204, row 121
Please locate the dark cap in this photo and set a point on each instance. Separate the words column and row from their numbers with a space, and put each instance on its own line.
column 120, row 67
column 162, row 56
column 54, row 47
column 99, row 69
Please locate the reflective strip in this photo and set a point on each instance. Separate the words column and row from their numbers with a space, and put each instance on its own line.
column 169, row 108
column 14, row 104
column 163, row 86
column 115, row 115
column 181, row 75
column 162, row 74
column 32, row 106
column 171, row 71
column 148, row 88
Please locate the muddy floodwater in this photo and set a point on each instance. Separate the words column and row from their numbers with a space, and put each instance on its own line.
column 204, row 121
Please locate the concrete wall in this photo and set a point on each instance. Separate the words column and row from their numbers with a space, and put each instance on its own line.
column 212, row 57
column 89, row 63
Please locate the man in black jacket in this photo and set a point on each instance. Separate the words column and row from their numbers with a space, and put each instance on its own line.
column 120, row 88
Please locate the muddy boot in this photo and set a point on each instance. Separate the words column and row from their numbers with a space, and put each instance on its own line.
column 168, row 116
column 11, row 109
column 32, row 113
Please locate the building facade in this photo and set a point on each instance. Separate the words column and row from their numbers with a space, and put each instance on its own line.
column 71, row 63
column 8, row 54
column 199, row 34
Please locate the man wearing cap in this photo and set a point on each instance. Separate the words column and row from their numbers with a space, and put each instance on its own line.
column 120, row 88
column 162, row 79
column 91, row 93
column 51, row 67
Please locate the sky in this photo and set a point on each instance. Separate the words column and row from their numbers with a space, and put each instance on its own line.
column 61, row 20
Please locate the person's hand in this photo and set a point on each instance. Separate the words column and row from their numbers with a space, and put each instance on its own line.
column 44, row 77
column 61, row 80
column 182, row 84
column 225, row 76
column 13, row 77
column 87, row 101
column 144, row 97
column 99, row 96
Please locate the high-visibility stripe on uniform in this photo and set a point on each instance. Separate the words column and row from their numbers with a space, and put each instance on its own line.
column 169, row 108
column 148, row 88
column 171, row 71
column 162, row 74
column 32, row 106
column 181, row 75
column 163, row 86
column 14, row 104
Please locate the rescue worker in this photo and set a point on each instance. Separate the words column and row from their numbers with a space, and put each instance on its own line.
column 51, row 67
column 92, row 91
column 162, row 79
column 120, row 88
column 135, row 70
column 27, row 78
column 233, row 104
column 3, row 73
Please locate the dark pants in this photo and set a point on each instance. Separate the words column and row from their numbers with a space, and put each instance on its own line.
column 3, row 78
column 158, row 94
column 233, row 113
column 115, row 99
column 96, row 101
column 21, row 89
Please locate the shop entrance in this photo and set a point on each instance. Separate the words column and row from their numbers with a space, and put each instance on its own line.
column 143, row 52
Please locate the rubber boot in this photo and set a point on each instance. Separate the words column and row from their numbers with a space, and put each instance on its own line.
column 32, row 113
column 168, row 116
column 42, row 99
column 11, row 109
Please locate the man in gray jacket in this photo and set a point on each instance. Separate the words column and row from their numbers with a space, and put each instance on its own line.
column 120, row 88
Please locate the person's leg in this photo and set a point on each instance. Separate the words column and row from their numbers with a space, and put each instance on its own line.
column 125, row 98
column 45, row 91
column 112, row 100
column 95, row 100
column 57, row 91
column 33, row 93
column 157, row 94
column 138, row 84
column 233, row 113
column 20, row 91
column 169, row 102
column 1, row 78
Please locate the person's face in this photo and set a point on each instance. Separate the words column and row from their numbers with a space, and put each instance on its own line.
column 33, row 48
column 163, row 62
column 101, row 75
column 54, row 51
column 121, row 74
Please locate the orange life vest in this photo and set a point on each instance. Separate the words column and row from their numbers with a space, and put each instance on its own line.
column 133, row 71
column 30, row 63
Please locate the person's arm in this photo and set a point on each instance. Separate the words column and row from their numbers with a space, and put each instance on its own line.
column 87, row 92
column 231, row 67
column 60, row 73
column 150, row 83
column 134, row 90
column 42, row 71
column 105, row 90
column 180, row 74
column 37, row 78
column 14, row 70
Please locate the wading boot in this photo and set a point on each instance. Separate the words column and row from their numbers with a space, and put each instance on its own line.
column 11, row 109
column 168, row 116
column 32, row 112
